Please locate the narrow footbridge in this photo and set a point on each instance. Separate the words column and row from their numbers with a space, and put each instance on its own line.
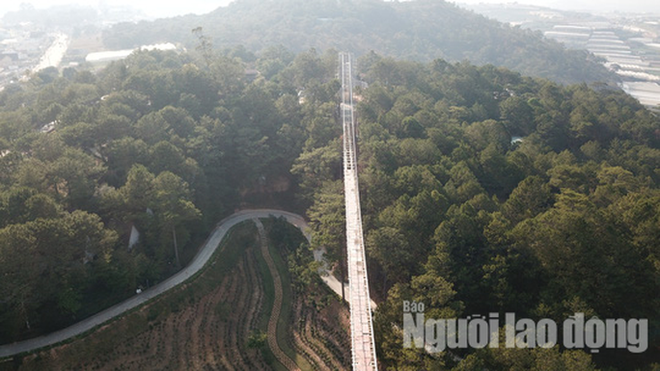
column 362, row 330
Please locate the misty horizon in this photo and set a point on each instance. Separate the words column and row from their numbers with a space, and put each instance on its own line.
column 152, row 9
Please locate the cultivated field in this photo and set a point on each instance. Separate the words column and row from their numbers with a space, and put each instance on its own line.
column 219, row 320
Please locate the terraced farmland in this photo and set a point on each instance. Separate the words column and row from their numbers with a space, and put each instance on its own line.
column 218, row 320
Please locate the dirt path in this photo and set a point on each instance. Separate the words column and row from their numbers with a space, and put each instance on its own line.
column 277, row 302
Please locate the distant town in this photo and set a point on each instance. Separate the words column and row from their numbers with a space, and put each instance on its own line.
column 627, row 44
column 64, row 36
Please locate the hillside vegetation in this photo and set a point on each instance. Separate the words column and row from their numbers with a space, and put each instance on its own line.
column 219, row 318
column 457, row 214
column 420, row 30
column 156, row 143
column 468, row 221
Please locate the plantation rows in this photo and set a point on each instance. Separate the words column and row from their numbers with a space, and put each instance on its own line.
column 207, row 324
column 207, row 332
column 317, row 335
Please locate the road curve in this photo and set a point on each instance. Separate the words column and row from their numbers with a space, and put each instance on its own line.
column 197, row 263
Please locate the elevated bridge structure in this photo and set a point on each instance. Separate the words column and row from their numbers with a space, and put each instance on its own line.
column 362, row 330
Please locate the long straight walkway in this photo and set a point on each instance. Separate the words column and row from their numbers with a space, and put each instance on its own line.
column 362, row 331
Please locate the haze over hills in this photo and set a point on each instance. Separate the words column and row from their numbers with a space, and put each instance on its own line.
column 482, row 191
column 421, row 30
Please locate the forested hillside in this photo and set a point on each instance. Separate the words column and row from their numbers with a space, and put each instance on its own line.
column 458, row 214
column 421, row 30
column 159, row 142
column 460, row 217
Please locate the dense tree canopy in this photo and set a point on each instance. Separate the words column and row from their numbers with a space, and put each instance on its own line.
column 162, row 143
column 457, row 214
column 462, row 217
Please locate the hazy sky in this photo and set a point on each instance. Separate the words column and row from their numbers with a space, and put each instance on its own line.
column 651, row 6
column 153, row 8
column 165, row 8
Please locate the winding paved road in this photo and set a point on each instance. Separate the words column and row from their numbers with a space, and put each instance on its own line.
column 195, row 265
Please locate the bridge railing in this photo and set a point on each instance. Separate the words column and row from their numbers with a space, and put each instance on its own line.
column 362, row 333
